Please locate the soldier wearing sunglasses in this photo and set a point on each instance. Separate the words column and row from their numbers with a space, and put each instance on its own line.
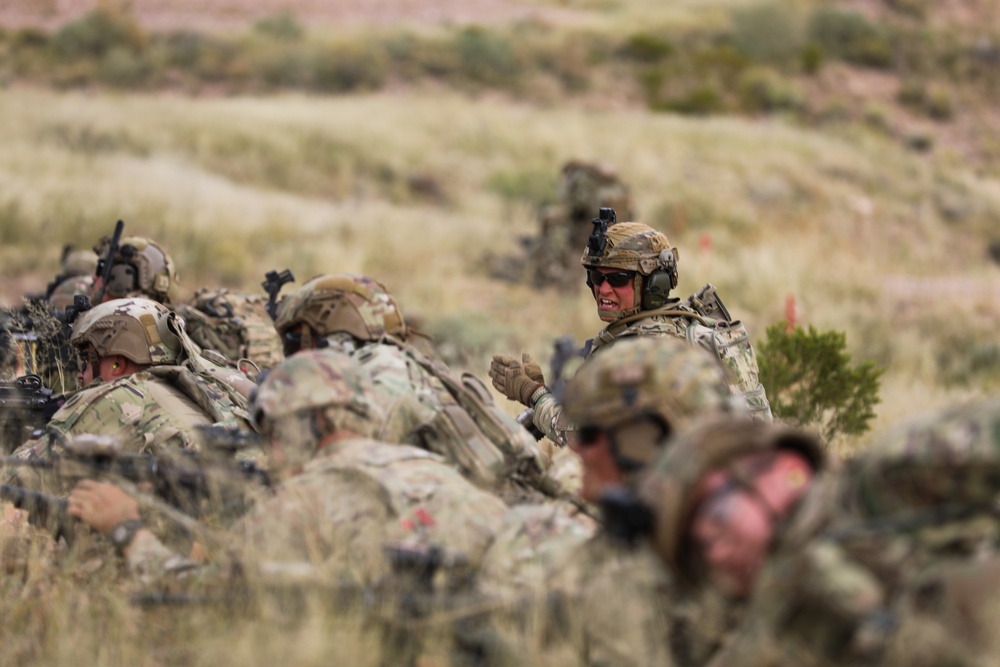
column 631, row 270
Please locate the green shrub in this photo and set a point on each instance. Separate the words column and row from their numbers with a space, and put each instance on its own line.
column 852, row 37
column 29, row 38
column 485, row 57
column 283, row 26
column 647, row 47
column 348, row 67
column 124, row 68
column 770, row 32
column 812, row 57
column 702, row 101
column 811, row 382
column 764, row 90
column 97, row 33
column 931, row 101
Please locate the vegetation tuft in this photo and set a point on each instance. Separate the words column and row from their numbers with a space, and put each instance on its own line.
column 811, row 382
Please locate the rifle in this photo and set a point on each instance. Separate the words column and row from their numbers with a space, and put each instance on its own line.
column 26, row 405
column 216, row 437
column 273, row 282
column 45, row 511
column 105, row 263
column 185, row 483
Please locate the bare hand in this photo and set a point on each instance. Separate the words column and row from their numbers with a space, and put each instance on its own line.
column 101, row 506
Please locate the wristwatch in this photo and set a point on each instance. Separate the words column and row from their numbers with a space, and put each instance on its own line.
column 537, row 394
column 123, row 534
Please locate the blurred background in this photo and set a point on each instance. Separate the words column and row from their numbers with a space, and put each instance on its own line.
column 832, row 161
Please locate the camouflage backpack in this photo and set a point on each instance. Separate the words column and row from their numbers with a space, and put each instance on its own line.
column 493, row 441
column 235, row 324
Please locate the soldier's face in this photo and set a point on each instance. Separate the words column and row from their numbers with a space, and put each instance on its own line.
column 732, row 534
column 612, row 300
column 600, row 472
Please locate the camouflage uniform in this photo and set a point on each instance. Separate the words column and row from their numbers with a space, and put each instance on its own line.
column 891, row 562
column 353, row 496
column 616, row 598
column 700, row 320
column 563, row 228
column 425, row 404
column 153, row 410
column 231, row 323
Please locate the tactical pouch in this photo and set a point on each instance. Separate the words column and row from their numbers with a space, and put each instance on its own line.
column 730, row 343
column 235, row 324
column 454, row 435
column 507, row 439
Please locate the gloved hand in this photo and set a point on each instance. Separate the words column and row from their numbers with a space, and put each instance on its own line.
column 512, row 378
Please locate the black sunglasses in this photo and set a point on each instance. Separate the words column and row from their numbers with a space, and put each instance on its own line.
column 617, row 279
column 589, row 435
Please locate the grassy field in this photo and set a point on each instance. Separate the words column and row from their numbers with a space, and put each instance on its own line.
column 425, row 191
column 428, row 184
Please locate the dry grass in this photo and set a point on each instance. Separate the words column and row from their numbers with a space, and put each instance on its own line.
column 235, row 187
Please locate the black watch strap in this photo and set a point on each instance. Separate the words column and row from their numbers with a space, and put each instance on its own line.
column 123, row 534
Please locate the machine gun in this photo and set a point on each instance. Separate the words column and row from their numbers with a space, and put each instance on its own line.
column 273, row 282
column 26, row 405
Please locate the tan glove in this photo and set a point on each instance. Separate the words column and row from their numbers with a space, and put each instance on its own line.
column 532, row 369
column 511, row 378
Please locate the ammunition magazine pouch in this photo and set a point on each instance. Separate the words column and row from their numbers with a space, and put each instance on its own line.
column 496, row 442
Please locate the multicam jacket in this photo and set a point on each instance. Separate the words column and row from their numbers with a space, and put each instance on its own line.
column 725, row 339
column 610, row 601
column 336, row 518
column 455, row 421
column 147, row 413
column 892, row 562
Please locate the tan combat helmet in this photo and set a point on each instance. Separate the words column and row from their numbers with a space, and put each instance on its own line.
column 672, row 487
column 633, row 246
column 585, row 187
column 140, row 330
column 285, row 406
column 141, row 267
column 645, row 390
column 340, row 303
column 78, row 262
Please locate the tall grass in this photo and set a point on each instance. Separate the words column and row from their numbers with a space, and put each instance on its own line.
column 237, row 186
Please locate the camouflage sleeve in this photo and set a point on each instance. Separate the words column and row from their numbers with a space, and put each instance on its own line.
column 150, row 560
column 142, row 419
column 549, row 419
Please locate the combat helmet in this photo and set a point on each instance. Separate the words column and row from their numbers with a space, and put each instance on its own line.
column 140, row 330
column 949, row 457
column 643, row 390
column 141, row 267
column 309, row 382
column 633, row 246
column 78, row 262
column 587, row 186
column 673, row 487
column 342, row 302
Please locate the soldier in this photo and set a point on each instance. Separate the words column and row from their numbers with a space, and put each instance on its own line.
column 628, row 404
column 343, row 497
column 631, row 269
column 426, row 405
column 891, row 562
column 584, row 187
column 139, row 384
column 76, row 279
column 228, row 322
